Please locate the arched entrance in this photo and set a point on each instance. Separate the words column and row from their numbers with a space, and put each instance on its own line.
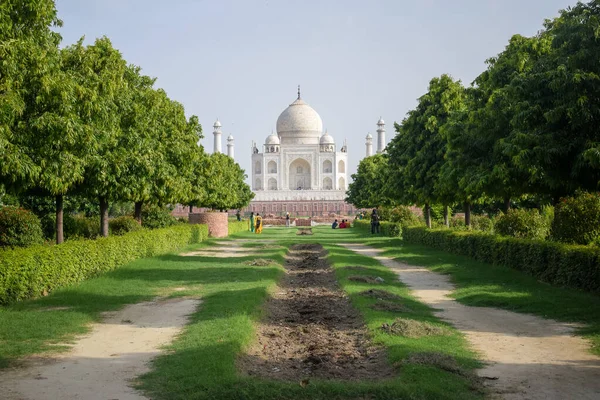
column 299, row 175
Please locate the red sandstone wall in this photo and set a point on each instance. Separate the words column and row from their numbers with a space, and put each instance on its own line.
column 217, row 223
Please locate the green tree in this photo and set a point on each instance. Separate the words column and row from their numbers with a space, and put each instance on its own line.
column 28, row 54
column 417, row 153
column 555, row 135
column 368, row 186
column 224, row 187
column 100, row 69
column 478, row 153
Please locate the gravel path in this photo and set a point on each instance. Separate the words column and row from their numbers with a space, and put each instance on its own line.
column 102, row 365
column 533, row 358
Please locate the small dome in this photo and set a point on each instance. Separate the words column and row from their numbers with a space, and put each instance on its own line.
column 369, row 136
column 326, row 139
column 272, row 139
column 217, row 124
column 230, row 138
column 381, row 121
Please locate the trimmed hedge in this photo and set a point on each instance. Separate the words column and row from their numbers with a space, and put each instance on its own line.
column 238, row 226
column 37, row 270
column 387, row 228
column 556, row 263
column 122, row 225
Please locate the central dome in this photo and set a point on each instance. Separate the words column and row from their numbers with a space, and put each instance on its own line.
column 299, row 124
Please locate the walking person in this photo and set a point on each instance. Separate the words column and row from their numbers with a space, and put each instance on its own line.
column 251, row 222
column 287, row 220
column 374, row 222
column 259, row 225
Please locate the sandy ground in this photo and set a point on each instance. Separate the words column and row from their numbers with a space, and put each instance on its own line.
column 221, row 252
column 227, row 249
column 103, row 364
column 533, row 358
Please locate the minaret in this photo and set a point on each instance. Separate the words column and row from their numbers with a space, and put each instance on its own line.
column 230, row 146
column 380, row 135
column 369, row 145
column 217, row 133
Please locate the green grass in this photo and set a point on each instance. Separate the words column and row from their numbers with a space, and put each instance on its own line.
column 481, row 284
column 41, row 325
column 201, row 364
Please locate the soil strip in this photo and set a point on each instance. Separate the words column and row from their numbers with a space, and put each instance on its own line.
column 311, row 329
column 532, row 358
column 103, row 364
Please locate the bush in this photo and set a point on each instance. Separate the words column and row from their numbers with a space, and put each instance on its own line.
column 523, row 224
column 122, row 225
column 154, row 217
column 458, row 223
column 552, row 262
column 390, row 229
column 404, row 216
column 481, row 223
column 37, row 270
column 83, row 228
column 387, row 228
column 577, row 219
column 19, row 227
column 238, row 226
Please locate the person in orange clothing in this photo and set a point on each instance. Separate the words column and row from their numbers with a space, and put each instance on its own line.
column 258, row 225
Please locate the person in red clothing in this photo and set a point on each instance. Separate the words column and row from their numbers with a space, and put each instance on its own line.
column 343, row 224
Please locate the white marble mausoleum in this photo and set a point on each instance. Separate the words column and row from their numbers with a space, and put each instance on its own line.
column 300, row 161
column 300, row 169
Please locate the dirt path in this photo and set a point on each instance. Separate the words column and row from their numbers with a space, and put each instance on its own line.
column 312, row 329
column 228, row 249
column 533, row 358
column 102, row 365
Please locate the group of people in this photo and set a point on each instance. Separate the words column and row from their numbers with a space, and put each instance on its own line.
column 341, row 225
column 255, row 223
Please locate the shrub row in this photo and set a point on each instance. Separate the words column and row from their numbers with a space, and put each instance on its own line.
column 237, row 226
column 37, row 270
column 386, row 228
column 556, row 263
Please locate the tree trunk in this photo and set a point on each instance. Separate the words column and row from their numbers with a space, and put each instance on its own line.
column 59, row 220
column 103, row 217
column 468, row 214
column 138, row 211
column 446, row 220
column 427, row 215
column 506, row 204
column 191, row 209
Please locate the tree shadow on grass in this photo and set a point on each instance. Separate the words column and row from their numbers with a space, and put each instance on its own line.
column 209, row 372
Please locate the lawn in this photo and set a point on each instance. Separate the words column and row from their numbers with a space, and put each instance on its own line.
column 200, row 364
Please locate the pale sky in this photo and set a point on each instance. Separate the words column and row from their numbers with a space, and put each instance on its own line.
column 356, row 60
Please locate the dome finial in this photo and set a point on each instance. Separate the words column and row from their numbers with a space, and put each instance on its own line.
column 298, row 92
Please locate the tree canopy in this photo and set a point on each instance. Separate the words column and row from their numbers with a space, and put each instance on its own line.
column 83, row 121
column 526, row 128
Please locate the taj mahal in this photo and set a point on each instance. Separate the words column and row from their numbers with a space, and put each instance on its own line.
column 300, row 169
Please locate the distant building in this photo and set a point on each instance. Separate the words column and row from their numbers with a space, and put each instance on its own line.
column 300, row 169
